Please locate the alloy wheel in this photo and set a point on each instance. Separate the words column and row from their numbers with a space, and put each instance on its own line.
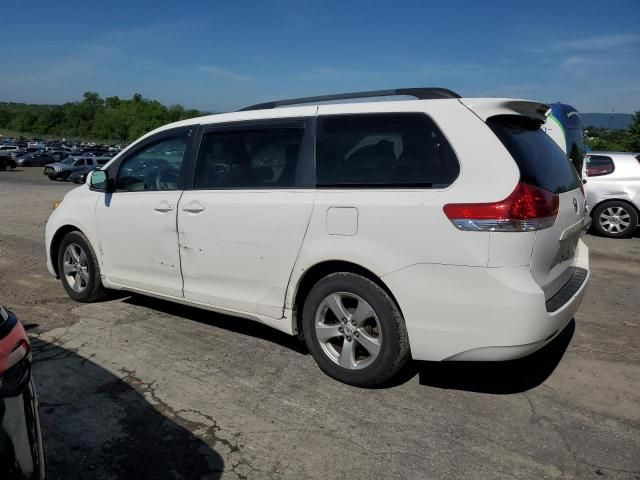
column 348, row 330
column 76, row 267
column 615, row 220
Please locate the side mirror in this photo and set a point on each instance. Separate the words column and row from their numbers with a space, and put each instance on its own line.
column 100, row 181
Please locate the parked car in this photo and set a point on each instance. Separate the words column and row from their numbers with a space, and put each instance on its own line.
column 63, row 170
column 613, row 192
column 21, row 450
column 6, row 162
column 80, row 176
column 22, row 151
column 8, row 148
column 35, row 159
column 371, row 229
column 59, row 155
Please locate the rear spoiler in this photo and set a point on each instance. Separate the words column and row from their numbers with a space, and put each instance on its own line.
column 486, row 108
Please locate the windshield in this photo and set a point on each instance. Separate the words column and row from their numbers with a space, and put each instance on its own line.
column 68, row 161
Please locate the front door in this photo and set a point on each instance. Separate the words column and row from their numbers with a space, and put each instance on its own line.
column 136, row 223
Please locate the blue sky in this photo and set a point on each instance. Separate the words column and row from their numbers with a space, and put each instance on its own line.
column 222, row 55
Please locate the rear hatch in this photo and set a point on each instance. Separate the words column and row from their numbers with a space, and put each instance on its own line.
column 543, row 164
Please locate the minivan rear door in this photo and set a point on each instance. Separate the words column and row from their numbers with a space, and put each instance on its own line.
column 543, row 164
column 242, row 223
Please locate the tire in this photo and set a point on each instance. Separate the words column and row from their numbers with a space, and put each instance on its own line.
column 5, row 166
column 615, row 219
column 89, row 288
column 377, row 345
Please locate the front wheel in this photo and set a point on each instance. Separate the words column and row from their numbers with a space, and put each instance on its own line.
column 78, row 268
column 354, row 330
column 615, row 219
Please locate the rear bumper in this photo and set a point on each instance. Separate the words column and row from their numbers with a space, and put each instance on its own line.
column 481, row 314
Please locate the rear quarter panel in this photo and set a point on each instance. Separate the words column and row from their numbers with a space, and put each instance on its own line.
column 401, row 227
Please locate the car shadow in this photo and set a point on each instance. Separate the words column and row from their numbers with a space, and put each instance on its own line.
column 501, row 378
column 98, row 425
column 508, row 377
column 226, row 322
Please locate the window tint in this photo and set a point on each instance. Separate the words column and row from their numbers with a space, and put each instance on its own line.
column 155, row 167
column 261, row 158
column 574, row 147
column 79, row 162
column 382, row 150
column 541, row 161
column 599, row 165
column 102, row 162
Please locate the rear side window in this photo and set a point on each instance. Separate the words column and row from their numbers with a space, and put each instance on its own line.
column 541, row 161
column 598, row 165
column 383, row 150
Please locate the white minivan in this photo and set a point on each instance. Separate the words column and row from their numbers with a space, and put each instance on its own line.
column 437, row 228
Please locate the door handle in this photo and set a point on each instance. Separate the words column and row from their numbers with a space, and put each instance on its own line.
column 163, row 207
column 193, row 207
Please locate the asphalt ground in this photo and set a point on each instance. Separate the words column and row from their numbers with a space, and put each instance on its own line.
column 140, row 388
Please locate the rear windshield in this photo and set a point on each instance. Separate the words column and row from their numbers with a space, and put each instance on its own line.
column 541, row 161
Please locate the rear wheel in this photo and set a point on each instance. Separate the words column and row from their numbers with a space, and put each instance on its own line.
column 354, row 330
column 615, row 219
column 78, row 268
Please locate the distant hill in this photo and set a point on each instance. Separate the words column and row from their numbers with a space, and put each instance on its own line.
column 614, row 121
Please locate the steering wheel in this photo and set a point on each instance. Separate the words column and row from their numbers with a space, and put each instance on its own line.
column 167, row 180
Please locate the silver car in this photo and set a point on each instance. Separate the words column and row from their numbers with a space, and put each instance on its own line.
column 613, row 192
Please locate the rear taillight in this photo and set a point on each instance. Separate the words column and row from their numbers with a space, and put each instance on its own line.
column 14, row 344
column 596, row 171
column 527, row 209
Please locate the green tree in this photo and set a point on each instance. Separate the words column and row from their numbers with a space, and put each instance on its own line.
column 633, row 143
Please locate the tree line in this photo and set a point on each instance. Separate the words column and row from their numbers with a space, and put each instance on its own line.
column 111, row 118
column 601, row 139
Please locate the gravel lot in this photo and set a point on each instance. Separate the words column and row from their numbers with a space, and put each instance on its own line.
column 140, row 388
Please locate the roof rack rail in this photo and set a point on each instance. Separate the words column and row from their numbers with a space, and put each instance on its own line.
column 419, row 93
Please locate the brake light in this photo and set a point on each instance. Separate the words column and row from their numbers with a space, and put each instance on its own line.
column 14, row 344
column 19, row 353
column 528, row 208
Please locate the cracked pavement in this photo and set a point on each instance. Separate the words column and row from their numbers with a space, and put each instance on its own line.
column 139, row 388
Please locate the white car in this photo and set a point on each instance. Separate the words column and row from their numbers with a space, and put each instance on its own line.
column 613, row 192
column 442, row 228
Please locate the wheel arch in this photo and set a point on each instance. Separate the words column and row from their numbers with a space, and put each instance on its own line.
column 320, row 270
column 55, row 244
column 606, row 200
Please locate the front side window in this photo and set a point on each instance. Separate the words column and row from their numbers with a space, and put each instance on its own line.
column 383, row 150
column 155, row 167
column 79, row 163
column 265, row 157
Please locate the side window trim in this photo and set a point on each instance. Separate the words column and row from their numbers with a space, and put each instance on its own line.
column 189, row 132
column 305, row 175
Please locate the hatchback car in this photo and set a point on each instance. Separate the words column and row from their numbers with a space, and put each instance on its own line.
column 613, row 192
column 442, row 228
